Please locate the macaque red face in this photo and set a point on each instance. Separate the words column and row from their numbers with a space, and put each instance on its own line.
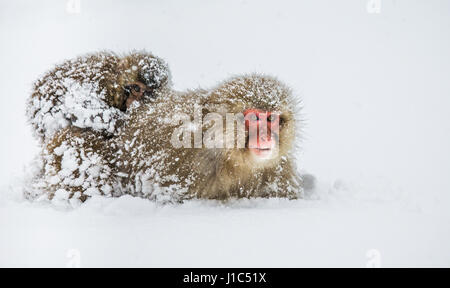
column 262, row 128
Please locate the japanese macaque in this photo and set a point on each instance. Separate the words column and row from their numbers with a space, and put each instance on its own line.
column 93, row 91
column 232, row 141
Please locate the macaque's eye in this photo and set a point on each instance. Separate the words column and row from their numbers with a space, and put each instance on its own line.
column 271, row 118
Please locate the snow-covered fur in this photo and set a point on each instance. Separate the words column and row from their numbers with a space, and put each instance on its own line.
column 140, row 159
column 88, row 92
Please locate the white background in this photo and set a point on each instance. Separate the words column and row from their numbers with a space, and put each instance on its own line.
column 376, row 92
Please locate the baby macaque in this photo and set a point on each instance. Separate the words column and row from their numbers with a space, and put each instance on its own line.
column 93, row 92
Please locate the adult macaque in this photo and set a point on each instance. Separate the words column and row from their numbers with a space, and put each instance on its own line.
column 143, row 161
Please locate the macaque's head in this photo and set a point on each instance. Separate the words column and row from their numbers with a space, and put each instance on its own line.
column 268, row 108
column 262, row 133
column 139, row 75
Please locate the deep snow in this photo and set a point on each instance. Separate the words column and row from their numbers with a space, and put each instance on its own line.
column 376, row 95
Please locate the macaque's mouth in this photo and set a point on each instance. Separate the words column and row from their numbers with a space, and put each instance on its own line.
column 262, row 153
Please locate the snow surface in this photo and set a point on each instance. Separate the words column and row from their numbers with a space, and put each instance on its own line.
column 376, row 95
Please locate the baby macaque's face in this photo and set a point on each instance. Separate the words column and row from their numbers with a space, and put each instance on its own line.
column 135, row 91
